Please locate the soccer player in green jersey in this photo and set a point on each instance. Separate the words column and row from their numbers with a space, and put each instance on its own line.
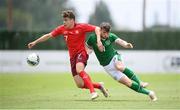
column 111, row 60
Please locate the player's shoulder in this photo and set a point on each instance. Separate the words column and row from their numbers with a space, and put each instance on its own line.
column 113, row 37
column 81, row 24
column 60, row 27
column 112, row 34
column 92, row 36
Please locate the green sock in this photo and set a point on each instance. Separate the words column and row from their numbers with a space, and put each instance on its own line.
column 135, row 86
column 130, row 74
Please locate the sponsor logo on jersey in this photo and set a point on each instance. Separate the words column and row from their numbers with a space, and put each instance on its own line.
column 107, row 42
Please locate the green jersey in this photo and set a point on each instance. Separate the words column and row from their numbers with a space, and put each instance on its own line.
column 104, row 57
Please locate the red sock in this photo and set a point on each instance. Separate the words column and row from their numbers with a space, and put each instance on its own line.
column 96, row 85
column 87, row 81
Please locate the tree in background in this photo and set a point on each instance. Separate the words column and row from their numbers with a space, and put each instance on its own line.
column 101, row 14
column 33, row 15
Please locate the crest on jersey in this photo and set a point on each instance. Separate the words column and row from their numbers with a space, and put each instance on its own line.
column 77, row 32
column 65, row 32
column 107, row 42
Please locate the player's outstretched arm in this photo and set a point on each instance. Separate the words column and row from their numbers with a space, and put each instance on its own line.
column 41, row 39
column 99, row 43
column 123, row 43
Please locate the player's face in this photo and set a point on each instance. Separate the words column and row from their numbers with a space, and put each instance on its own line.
column 68, row 23
column 104, row 34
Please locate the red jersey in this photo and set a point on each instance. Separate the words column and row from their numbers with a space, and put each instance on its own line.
column 75, row 37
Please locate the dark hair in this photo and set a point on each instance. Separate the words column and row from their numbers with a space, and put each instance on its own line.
column 68, row 14
column 105, row 26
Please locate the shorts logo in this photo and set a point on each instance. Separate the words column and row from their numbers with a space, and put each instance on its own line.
column 79, row 57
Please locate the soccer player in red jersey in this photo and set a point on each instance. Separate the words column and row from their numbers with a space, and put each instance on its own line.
column 74, row 35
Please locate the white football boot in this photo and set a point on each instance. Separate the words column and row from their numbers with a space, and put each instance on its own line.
column 94, row 95
column 153, row 96
column 144, row 84
column 103, row 89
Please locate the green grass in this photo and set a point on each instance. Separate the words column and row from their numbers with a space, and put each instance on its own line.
column 58, row 91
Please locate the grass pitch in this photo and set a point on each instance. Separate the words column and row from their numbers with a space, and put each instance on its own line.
column 58, row 91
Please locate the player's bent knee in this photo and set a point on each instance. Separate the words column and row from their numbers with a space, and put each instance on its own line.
column 128, row 84
column 126, row 81
column 79, row 67
column 79, row 85
column 79, row 70
column 79, row 82
column 120, row 67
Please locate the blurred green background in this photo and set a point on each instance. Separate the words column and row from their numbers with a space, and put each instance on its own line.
column 24, row 21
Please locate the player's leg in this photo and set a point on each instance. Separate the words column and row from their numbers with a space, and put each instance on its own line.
column 80, row 84
column 129, row 73
column 133, row 85
column 134, row 77
column 122, row 78
column 81, row 61
column 136, row 87
column 86, row 79
column 100, row 85
column 78, row 80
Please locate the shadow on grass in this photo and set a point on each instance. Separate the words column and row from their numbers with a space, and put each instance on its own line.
column 110, row 100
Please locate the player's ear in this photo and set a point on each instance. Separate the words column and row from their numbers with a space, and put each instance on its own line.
column 72, row 20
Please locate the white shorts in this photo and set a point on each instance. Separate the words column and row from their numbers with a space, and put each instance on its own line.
column 111, row 69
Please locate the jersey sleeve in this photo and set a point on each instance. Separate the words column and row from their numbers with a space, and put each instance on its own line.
column 88, row 27
column 113, row 37
column 57, row 31
column 89, row 42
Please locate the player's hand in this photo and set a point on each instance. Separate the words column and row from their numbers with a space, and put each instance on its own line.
column 129, row 45
column 31, row 44
column 100, row 46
